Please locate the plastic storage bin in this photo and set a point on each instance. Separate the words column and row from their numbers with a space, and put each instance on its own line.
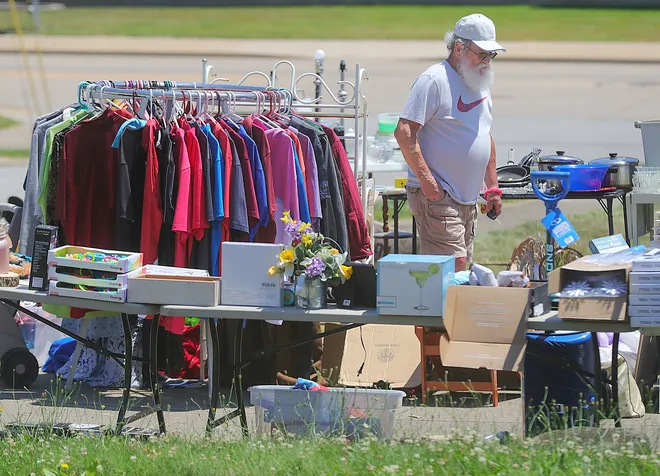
column 354, row 412
column 296, row 411
column 584, row 178
column 371, row 411
column 650, row 141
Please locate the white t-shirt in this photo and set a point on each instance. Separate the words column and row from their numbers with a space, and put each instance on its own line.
column 455, row 133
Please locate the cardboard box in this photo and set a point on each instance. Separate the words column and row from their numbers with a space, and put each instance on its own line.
column 245, row 275
column 390, row 353
column 648, row 262
column 608, row 244
column 176, row 286
column 119, row 281
column 127, row 261
column 413, row 285
column 590, row 308
column 644, row 300
column 644, row 321
column 117, row 295
column 644, row 311
column 636, row 289
column 45, row 239
column 644, row 277
column 486, row 327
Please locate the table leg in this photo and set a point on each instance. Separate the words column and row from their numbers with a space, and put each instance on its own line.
column 153, row 371
column 414, row 237
column 610, row 215
column 214, row 376
column 615, row 380
column 238, row 372
column 597, row 381
column 624, row 204
column 128, row 373
column 396, row 225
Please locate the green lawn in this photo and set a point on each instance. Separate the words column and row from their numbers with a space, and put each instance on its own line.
column 464, row 455
column 6, row 122
column 15, row 153
column 348, row 22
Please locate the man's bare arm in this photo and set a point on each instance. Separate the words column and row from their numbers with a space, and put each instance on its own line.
column 406, row 136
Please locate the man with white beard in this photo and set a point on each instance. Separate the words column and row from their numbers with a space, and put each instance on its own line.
column 444, row 135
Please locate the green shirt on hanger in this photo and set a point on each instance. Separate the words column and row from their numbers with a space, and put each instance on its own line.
column 48, row 150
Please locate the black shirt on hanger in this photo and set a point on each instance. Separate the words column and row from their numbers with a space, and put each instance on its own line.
column 200, row 257
column 131, row 172
column 168, row 188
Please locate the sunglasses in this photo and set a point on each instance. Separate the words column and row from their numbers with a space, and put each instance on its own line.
column 484, row 55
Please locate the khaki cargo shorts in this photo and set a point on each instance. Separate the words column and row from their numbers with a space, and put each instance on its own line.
column 445, row 227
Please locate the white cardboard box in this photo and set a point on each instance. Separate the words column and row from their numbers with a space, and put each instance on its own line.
column 413, row 285
column 644, row 311
column 638, row 321
column 127, row 261
column 120, row 280
column 644, row 289
column 176, row 286
column 644, row 299
column 118, row 295
column 245, row 280
column 644, row 277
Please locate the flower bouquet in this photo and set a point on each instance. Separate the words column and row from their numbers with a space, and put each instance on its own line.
column 311, row 254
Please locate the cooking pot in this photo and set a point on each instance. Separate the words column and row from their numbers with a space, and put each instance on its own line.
column 512, row 175
column 621, row 170
column 546, row 163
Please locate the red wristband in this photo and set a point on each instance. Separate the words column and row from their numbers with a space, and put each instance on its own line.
column 492, row 190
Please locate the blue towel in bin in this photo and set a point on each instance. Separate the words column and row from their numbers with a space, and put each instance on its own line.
column 59, row 353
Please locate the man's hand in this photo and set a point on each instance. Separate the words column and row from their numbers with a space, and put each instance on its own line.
column 431, row 189
column 494, row 202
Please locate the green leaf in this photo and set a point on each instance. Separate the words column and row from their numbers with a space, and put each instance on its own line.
column 300, row 253
column 48, row 472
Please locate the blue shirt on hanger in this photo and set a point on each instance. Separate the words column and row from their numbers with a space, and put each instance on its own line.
column 302, row 193
column 259, row 181
column 217, row 180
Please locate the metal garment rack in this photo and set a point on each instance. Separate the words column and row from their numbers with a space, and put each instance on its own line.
column 344, row 107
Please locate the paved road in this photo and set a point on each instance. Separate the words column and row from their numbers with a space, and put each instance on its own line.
column 586, row 109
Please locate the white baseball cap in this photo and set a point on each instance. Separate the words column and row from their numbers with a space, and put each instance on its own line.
column 480, row 30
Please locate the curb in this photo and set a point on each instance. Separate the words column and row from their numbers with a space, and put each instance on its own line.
column 363, row 50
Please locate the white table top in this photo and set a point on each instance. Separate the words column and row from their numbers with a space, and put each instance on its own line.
column 22, row 293
column 548, row 321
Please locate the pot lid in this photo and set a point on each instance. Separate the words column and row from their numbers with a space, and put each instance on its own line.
column 560, row 158
column 614, row 159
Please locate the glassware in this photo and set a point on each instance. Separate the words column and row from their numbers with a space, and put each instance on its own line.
column 421, row 277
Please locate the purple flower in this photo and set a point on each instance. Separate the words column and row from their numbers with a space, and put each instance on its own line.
column 315, row 268
column 292, row 229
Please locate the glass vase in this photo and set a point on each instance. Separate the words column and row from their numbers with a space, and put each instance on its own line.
column 311, row 293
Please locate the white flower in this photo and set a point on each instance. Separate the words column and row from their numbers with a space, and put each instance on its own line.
column 482, row 459
column 99, row 468
column 391, row 469
column 586, row 459
column 133, row 458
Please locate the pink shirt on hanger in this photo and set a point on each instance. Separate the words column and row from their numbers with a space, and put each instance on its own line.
column 182, row 223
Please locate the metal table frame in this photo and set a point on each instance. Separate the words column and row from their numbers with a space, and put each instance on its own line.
column 11, row 297
column 354, row 318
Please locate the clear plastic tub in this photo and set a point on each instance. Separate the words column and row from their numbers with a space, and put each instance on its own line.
column 354, row 412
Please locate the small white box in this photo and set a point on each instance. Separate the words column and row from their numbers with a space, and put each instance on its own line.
column 127, row 261
column 116, row 295
column 413, row 285
column 119, row 281
column 644, row 289
column 174, row 286
column 644, row 311
column 644, row 277
column 647, row 262
column 245, row 280
column 636, row 321
column 644, row 299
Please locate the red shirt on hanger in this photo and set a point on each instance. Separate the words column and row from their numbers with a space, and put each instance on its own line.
column 199, row 221
column 152, row 207
column 182, row 223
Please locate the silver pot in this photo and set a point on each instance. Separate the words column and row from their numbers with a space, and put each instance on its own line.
column 547, row 162
column 621, row 170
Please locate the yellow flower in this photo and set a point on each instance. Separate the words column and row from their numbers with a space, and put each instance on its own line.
column 334, row 251
column 65, row 466
column 272, row 271
column 347, row 271
column 287, row 256
column 307, row 240
column 304, row 226
column 286, row 217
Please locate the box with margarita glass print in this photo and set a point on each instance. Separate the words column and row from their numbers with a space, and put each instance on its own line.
column 413, row 285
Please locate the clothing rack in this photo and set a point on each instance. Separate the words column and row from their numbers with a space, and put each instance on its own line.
column 353, row 107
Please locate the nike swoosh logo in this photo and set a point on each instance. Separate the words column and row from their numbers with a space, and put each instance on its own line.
column 468, row 107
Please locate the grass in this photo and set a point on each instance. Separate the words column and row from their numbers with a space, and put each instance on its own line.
column 455, row 454
column 6, row 123
column 497, row 246
column 15, row 153
column 348, row 22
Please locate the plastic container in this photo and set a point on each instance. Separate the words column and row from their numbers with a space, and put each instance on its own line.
column 371, row 411
column 296, row 411
column 650, row 141
column 387, row 122
column 4, row 252
column 354, row 412
column 584, row 177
